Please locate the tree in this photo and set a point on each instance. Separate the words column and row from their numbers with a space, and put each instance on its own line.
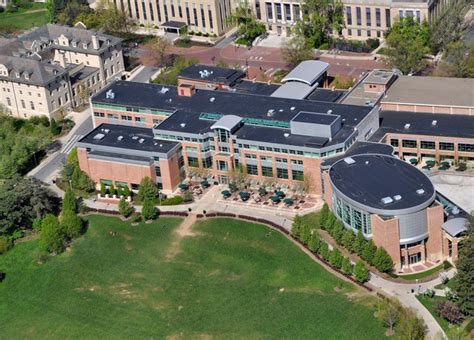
column 360, row 272
column 314, row 242
column 69, row 202
column 147, row 190
column 382, row 260
column 330, row 221
column 296, row 226
column 296, row 50
column 21, row 201
column 149, row 211
column 359, row 243
column 324, row 250
column 125, row 208
column 54, row 127
column 465, row 277
column 458, row 61
column 249, row 27
column 69, row 14
column 410, row 327
column 450, row 311
column 70, row 224
column 324, row 213
column 407, row 42
column 337, row 231
column 347, row 240
column 71, row 173
column 369, row 251
column 346, row 266
column 335, row 259
column 51, row 236
column 156, row 51
column 305, row 233
column 388, row 312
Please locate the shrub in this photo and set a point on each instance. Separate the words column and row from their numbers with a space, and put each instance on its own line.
column 149, row 211
column 324, row 250
column 447, row 265
column 382, row 261
column 347, row 240
column 359, row 243
column 372, row 43
column 335, row 259
column 5, row 244
column 187, row 196
column 51, row 236
column 296, row 227
column 449, row 311
column 69, row 201
column 323, row 215
column 112, row 190
column 346, row 266
column 125, row 208
column 55, row 128
column 70, row 224
column 429, row 293
column 369, row 251
column 324, row 46
column 172, row 201
column 314, row 242
column 360, row 272
column 305, row 234
column 103, row 189
column 135, row 218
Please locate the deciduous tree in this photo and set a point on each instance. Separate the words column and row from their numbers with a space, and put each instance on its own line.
column 360, row 272
column 465, row 277
column 147, row 190
column 51, row 236
column 296, row 50
column 149, row 211
column 382, row 260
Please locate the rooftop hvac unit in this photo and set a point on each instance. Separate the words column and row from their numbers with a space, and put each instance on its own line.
column 106, row 130
column 329, row 112
column 349, row 160
column 407, row 126
column 212, row 99
column 286, row 134
column 119, row 138
column 270, row 113
column 397, row 197
column 164, row 90
column 135, row 137
column 420, row 191
column 434, row 122
column 110, row 94
column 141, row 140
column 183, row 125
column 99, row 136
column 292, row 108
column 387, row 200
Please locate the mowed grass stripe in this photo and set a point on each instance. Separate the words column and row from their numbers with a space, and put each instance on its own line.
column 225, row 283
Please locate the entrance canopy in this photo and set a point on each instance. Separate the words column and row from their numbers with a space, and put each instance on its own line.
column 173, row 26
column 455, row 226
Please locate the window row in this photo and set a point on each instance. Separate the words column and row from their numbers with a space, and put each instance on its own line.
column 430, row 145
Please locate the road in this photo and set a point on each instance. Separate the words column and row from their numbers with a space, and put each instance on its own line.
column 51, row 165
column 144, row 75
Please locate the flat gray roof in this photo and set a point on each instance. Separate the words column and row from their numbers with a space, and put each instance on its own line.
column 382, row 77
column 432, row 91
column 294, row 90
column 227, row 122
column 307, row 72
column 455, row 226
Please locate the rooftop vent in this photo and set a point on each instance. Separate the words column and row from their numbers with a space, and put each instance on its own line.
column 141, row 140
column 286, row 134
column 106, row 130
column 183, row 125
column 366, row 162
column 292, row 108
column 99, row 136
column 119, row 138
column 387, row 200
column 161, row 145
column 110, row 94
column 329, row 112
column 205, row 73
column 420, row 191
column 407, row 126
column 135, row 137
column 164, row 90
column 212, row 99
column 397, row 197
column 270, row 113
column 280, row 110
column 434, row 122
column 349, row 160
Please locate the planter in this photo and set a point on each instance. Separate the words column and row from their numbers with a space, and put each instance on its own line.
column 148, row 221
column 135, row 224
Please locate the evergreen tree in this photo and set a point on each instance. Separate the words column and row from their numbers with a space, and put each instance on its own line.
column 382, row 261
column 296, row 226
column 335, row 259
column 346, row 266
column 54, row 127
column 359, row 243
column 314, row 242
column 360, row 272
column 149, row 211
column 323, row 215
column 51, row 237
column 338, row 231
column 125, row 208
column 70, row 224
column 324, row 250
column 305, row 233
column 348, row 239
column 369, row 251
column 465, row 276
column 69, row 202
column 330, row 221
column 148, row 190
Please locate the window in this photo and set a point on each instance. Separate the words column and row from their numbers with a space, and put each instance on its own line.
column 222, row 165
column 140, row 119
column 446, row 146
column 378, row 19
column 464, row 147
column 282, row 173
column 358, row 16
column 9, row 102
column 400, row 14
column 203, row 16
column 252, row 169
column 267, row 171
column 250, row 156
column 257, row 10
column 157, row 171
column 349, row 32
column 297, row 175
column 369, row 33
column 388, row 22
column 112, row 116
column 209, row 13
column 408, row 143
column 99, row 114
column 368, row 17
column 394, row 142
column 269, row 10
column 266, row 158
column 278, row 11
column 349, row 15
column 287, row 12
column 427, row 145
column 297, row 161
column 23, row 104
column 193, row 162
column 207, row 162
column 359, row 33
column 126, row 117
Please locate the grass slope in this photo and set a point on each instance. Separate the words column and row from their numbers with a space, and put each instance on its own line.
column 23, row 19
column 225, row 282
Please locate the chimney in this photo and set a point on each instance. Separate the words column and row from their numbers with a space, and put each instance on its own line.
column 95, row 41
column 186, row 90
column 62, row 59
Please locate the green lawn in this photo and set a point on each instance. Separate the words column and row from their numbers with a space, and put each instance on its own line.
column 23, row 19
column 225, row 283
column 422, row 275
column 430, row 304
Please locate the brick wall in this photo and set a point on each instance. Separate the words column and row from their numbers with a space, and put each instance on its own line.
column 385, row 234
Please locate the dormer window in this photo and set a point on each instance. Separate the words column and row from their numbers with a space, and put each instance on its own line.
column 74, row 44
column 56, row 41
column 84, row 45
column 27, row 76
column 108, row 41
column 17, row 74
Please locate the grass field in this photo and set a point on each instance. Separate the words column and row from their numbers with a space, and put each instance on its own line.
column 430, row 304
column 225, row 282
column 25, row 18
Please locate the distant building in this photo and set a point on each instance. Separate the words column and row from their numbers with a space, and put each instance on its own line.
column 55, row 68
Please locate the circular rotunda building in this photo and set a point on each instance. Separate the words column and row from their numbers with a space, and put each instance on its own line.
column 391, row 202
